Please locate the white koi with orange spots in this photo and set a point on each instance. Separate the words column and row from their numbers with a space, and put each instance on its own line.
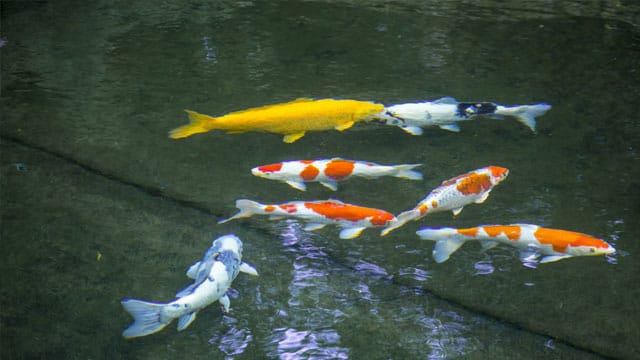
column 532, row 240
column 454, row 194
column 328, row 172
column 352, row 218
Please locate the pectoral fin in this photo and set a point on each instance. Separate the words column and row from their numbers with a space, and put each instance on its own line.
column 483, row 198
column 297, row 185
column 226, row 303
column 528, row 256
column 450, row 127
column 248, row 269
column 289, row 138
column 344, row 126
column 351, row 233
column 553, row 258
column 313, row 226
column 457, row 211
column 444, row 249
column 192, row 272
column 488, row 244
column 186, row 320
column 330, row 185
column 413, row 130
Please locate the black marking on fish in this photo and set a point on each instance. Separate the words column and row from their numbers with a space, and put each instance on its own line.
column 466, row 110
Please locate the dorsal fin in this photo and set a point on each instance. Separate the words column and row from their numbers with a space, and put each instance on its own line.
column 446, row 100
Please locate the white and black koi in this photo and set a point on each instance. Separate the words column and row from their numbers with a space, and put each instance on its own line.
column 447, row 112
column 213, row 276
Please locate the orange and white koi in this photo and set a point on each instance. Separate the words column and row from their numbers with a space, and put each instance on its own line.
column 532, row 240
column 292, row 119
column 454, row 194
column 352, row 218
column 329, row 172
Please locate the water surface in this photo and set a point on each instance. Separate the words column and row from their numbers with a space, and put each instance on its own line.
column 90, row 91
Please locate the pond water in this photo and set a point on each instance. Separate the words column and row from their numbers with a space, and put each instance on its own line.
column 98, row 204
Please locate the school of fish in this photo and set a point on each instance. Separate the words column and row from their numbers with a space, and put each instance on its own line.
column 222, row 262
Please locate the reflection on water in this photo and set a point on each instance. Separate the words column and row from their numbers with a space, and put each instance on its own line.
column 109, row 87
column 323, row 304
column 296, row 344
column 235, row 340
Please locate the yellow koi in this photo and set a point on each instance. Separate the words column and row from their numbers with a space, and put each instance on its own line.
column 292, row 119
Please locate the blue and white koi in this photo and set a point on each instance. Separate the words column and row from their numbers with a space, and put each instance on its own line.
column 454, row 194
column 532, row 240
column 352, row 219
column 328, row 172
column 447, row 112
column 213, row 276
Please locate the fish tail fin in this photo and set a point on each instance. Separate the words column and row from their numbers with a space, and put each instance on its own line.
column 448, row 240
column 400, row 220
column 146, row 316
column 407, row 172
column 526, row 114
column 247, row 208
column 199, row 123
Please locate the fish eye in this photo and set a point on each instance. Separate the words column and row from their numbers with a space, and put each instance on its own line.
column 592, row 250
column 216, row 256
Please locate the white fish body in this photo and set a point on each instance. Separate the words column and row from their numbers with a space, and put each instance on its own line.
column 447, row 111
column 328, row 172
column 453, row 195
column 532, row 241
column 213, row 276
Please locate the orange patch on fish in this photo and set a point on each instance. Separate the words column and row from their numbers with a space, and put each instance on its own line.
column 309, row 173
column 338, row 211
column 474, row 184
column 453, row 180
column 269, row 208
column 339, row 169
column 472, row 232
column 434, row 204
column 306, row 161
column 498, row 171
column 290, row 208
column 270, row 168
column 560, row 239
column 423, row 209
column 512, row 232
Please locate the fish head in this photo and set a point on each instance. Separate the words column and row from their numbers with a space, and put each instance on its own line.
column 270, row 171
column 586, row 245
column 498, row 173
column 226, row 256
column 226, row 244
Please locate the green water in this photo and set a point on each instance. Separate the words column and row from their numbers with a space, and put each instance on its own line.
column 98, row 204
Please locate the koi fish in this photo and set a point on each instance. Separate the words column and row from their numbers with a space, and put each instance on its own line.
column 454, row 194
column 329, row 172
column 532, row 240
column 292, row 119
column 351, row 218
column 213, row 276
column 447, row 111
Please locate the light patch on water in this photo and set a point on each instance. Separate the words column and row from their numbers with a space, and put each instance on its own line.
column 296, row 344
column 233, row 342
